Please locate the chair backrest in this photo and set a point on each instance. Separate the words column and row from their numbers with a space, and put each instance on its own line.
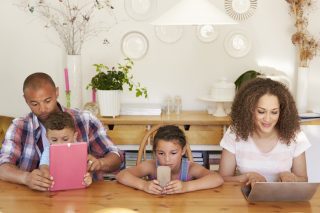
column 5, row 122
column 147, row 137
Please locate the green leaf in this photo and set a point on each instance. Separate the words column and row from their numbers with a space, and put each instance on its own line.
column 248, row 75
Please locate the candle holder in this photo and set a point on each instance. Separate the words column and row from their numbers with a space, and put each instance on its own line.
column 68, row 97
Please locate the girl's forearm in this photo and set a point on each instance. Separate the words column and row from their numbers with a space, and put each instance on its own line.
column 211, row 180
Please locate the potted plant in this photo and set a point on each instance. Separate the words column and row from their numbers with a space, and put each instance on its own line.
column 110, row 82
column 248, row 75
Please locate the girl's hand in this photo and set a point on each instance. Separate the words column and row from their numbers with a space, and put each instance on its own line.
column 254, row 177
column 174, row 187
column 87, row 179
column 153, row 187
column 287, row 177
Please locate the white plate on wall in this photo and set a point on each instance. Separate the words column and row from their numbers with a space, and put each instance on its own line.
column 140, row 9
column 237, row 44
column 134, row 45
column 169, row 34
column 207, row 33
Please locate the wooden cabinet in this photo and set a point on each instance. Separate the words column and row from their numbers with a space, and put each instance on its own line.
column 199, row 126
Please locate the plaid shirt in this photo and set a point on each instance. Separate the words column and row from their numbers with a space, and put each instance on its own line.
column 20, row 146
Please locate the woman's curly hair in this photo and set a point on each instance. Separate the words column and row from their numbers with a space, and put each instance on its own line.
column 245, row 103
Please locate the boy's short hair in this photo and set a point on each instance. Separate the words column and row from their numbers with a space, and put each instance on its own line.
column 169, row 133
column 59, row 121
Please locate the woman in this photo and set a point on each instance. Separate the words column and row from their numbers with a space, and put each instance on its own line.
column 264, row 141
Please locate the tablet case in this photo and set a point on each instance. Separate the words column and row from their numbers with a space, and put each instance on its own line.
column 68, row 165
column 280, row 191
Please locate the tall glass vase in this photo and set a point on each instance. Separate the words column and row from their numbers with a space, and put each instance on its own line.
column 302, row 89
column 75, row 80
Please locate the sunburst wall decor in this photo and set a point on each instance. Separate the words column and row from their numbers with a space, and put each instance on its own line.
column 240, row 9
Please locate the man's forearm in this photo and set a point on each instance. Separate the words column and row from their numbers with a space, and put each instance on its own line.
column 110, row 162
column 9, row 172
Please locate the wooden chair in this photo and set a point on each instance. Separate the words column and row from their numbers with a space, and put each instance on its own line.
column 5, row 122
column 146, row 139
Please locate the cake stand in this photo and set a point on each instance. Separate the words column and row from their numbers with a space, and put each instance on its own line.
column 219, row 111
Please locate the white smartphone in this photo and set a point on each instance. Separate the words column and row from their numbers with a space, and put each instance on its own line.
column 163, row 175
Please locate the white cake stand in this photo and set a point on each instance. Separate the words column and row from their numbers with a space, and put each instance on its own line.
column 219, row 112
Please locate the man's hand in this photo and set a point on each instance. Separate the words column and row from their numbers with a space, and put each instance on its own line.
column 38, row 180
column 94, row 164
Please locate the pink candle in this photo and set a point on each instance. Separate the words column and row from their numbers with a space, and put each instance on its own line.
column 66, row 79
column 93, row 95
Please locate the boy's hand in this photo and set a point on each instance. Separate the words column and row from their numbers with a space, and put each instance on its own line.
column 174, row 187
column 153, row 187
column 87, row 179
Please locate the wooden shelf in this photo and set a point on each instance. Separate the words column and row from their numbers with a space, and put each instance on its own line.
column 185, row 118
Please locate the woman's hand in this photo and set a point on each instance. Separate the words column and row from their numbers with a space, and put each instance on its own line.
column 254, row 177
column 153, row 187
column 174, row 187
column 287, row 177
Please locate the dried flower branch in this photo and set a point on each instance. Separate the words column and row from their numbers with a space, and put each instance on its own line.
column 308, row 46
column 72, row 19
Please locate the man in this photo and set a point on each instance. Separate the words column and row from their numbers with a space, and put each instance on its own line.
column 25, row 138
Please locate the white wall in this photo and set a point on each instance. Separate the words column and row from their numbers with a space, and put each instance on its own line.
column 187, row 68
column 312, row 154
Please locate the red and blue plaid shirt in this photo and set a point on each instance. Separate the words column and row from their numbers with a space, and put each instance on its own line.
column 22, row 144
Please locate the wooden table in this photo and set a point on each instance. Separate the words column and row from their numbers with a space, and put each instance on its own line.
column 101, row 195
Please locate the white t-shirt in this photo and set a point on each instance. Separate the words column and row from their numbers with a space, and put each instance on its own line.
column 250, row 159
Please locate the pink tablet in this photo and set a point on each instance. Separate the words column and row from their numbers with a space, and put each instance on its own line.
column 68, row 165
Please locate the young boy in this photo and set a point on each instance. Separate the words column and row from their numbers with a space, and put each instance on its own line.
column 60, row 128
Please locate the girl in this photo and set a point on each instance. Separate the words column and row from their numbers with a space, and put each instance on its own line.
column 169, row 146
column 264, row 141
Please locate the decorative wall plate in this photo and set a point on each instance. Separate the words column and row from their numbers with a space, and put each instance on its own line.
column 240, row 9
column 237, row 44
column 134, row 45
column 169, row 34
column 140, row 9
column 207, row 33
